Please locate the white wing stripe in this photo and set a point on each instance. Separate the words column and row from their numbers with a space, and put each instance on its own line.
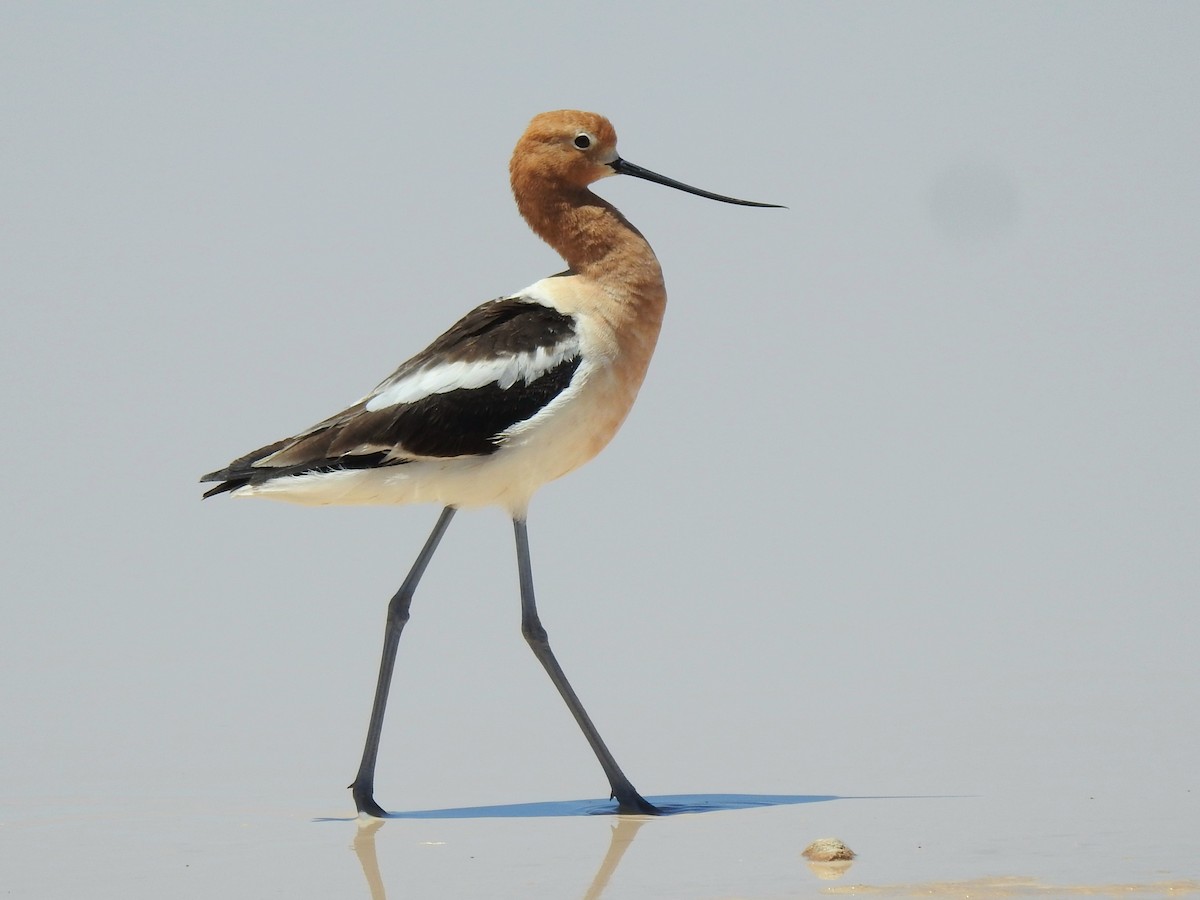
column 441, row 378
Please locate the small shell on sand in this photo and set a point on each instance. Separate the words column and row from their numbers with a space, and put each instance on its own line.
column 827, row 850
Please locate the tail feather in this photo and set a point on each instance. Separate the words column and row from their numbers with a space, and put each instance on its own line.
column 241, row 471
column 231, row 484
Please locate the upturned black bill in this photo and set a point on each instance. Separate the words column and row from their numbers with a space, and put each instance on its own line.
column 621, row 167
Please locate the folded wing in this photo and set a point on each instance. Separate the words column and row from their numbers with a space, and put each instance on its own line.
column 495, row 368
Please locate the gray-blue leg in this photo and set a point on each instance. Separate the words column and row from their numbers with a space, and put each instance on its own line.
column 628, row 799
column 363, row 787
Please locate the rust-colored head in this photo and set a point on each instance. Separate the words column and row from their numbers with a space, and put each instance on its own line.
column 563, row 150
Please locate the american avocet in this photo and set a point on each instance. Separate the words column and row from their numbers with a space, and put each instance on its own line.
column 520, row 391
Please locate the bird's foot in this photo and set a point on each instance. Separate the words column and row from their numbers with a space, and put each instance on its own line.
column 364, row 801
column 631, row 803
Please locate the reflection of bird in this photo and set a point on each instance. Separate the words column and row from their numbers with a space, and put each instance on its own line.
column 520, row 391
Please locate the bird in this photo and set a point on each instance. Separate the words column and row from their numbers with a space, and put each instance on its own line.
column 520, row 391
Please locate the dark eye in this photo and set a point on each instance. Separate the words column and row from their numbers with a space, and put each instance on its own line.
column 583, row 141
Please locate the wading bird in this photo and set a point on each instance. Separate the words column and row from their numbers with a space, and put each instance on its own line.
column 520, row 391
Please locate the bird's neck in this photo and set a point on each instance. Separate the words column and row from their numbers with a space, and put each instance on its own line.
column 596, row 241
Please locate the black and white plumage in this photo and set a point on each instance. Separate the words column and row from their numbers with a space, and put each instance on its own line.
column 496, row 374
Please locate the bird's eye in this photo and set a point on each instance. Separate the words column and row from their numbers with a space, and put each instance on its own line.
column 583, row 140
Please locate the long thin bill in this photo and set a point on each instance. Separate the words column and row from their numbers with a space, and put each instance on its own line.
column 621, row 167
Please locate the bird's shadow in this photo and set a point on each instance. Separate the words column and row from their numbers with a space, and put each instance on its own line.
column 669, row 805
column 624, row 830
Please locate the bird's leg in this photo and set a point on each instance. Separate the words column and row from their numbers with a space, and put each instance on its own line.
column 363, row 787
column 628, row 799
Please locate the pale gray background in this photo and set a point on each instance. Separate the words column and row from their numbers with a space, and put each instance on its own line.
column 908, row 505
